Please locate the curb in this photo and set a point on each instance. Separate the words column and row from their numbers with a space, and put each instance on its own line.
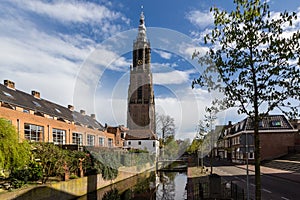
column 273, row 175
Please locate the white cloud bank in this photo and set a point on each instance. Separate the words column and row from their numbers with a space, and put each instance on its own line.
column 70, row 11
column 48, row 59
column 163, row 54
column 172, row 77
column 200, row 19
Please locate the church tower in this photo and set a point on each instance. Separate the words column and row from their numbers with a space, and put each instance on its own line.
column 141, row 106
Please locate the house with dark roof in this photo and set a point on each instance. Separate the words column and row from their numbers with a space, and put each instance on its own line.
column 40, row 120
column 276, row 134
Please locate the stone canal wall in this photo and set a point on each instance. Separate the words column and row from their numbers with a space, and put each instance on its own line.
column 72, row 188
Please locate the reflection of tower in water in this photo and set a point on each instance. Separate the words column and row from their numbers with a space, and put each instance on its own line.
column 141, row 105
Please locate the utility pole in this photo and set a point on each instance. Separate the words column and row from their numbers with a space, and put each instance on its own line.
column 210, row 119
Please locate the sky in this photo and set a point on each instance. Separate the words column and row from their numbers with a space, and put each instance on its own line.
column 78, row 52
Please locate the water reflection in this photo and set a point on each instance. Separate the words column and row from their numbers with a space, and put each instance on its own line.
column 172, row 186
column 147, row 186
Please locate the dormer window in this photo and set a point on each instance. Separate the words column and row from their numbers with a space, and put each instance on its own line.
column 25, row 111
column 8, row 95
column 36, row 104
column 276, row 123
column 57, row 110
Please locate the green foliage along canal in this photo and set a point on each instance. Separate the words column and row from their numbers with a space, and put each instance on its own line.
column 146, row 186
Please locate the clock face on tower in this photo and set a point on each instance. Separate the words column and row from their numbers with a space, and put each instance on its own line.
column 140, row 62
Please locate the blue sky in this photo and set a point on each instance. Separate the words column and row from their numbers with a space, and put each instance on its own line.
column 78, row 52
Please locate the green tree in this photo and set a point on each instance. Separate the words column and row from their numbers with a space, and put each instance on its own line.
column 254, row 63
column 13, row 155
column 52, row 159
column 171, row 148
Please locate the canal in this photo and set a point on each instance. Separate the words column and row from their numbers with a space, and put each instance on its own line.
column 146, row 186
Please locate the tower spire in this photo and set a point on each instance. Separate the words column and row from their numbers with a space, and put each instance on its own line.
column 142, row 28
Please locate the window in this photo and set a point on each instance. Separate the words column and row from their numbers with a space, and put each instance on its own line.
column 276, row 123
column 77, row 138
column 57, row 110
column 8, row 95
column 36, row 104
column 101, row 141
column 90, row 140
column 129, row 143
column 140, row 94
column 25, row 111
column 33, row 132
column 251, row 155
column 140, row 142
column 110, row 142
column 122, row 135
column 154, row 144
column 59, row 136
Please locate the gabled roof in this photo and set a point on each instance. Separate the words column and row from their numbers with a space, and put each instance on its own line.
column 140, row 134
column 86, row 120
column 41, row 106
column 271, row 122
column 28, row 101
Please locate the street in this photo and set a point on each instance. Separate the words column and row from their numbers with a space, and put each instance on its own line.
column 272, row 187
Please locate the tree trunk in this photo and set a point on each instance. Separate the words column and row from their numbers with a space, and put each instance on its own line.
column 257, row 160
column 256, row 126
column 256, row 144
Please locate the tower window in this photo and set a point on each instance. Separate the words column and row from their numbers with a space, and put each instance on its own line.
column 140, row 56
column 140, row 94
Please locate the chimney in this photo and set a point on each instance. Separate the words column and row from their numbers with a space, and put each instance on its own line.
column 36, row 94
column 82, row 112
column 93, row 116
column 229, row 123
column 9, row 84
column 71, row 107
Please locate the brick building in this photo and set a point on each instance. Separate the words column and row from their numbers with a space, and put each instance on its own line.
column 141, row 103
column 39, row 120
column 276, row 135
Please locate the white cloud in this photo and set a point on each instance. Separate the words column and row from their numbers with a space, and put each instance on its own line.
column 188, row 49
column 163, row 54
column 107, row 59
column 200, row 19
column 70, row 11
column 172, row 77
column 49, row 61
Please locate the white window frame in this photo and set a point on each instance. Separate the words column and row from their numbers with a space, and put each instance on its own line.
column 58, row 136
column 90, row 140
column 35, row 132
column 77, row 137
column 110, row 142
column 102, row 141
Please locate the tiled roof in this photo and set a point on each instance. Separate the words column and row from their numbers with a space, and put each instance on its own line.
column 271, row 122
column 86, row 120
column 140, row 134
column 28, row 101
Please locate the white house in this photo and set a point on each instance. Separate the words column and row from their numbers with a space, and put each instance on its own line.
column 142, row 139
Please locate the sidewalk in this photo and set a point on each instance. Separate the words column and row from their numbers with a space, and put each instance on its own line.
column 288, row 175
column 287, row 167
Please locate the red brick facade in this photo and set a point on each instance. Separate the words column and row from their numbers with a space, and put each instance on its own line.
column 34, row 121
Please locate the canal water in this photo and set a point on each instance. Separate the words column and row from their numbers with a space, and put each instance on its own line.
column 146, row 186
